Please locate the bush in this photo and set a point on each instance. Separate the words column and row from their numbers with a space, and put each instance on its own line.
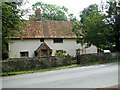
column 74, row 62
column 60, row 53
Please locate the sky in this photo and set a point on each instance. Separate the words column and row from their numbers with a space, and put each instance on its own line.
column 74, row 6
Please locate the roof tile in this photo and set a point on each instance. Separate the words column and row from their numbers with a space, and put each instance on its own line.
column 48, row 29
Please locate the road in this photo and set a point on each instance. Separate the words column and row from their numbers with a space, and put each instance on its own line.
column 95, row 76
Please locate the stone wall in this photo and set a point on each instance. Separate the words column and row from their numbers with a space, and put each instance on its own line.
column 20, row 64
column 86, row 58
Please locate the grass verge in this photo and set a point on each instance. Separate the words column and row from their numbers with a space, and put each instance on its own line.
column 58, row 68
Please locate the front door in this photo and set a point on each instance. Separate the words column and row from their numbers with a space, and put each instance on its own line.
column 44, row 52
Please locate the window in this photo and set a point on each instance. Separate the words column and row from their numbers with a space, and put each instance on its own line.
column 58, row 40
column 42, row 40
column 23, row 54
column 77, row 51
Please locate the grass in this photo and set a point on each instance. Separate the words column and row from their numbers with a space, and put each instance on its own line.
column 58, row 68
column 40, row 70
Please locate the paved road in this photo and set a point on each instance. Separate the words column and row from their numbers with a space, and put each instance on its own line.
column 81, row 77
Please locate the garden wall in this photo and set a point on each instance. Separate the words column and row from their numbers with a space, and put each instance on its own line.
column 19, row 64
column 86, row 58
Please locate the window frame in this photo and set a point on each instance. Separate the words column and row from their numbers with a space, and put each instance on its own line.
column 57, row 40
column 26, row 55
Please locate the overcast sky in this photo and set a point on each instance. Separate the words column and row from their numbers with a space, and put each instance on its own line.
column 74, row 6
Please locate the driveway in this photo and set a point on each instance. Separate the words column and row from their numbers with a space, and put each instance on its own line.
column 95, row 76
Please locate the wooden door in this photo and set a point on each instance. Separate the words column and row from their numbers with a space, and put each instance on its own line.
column 44, row 52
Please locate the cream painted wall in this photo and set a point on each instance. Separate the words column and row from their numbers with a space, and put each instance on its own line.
column 18, row 46
column 30, row 45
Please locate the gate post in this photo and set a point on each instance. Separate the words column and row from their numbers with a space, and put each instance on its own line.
column 78, row 55
column 78, row 59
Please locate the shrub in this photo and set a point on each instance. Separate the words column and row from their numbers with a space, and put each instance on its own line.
column 60, row 53
column 74, row 62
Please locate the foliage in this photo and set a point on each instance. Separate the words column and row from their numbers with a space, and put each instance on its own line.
column 94, row 30
column 52, row 12
column 11, row 23
column 88, row 11
column 74, row 62
column 101, row 30
column 72, row 18
column 113, row 20
column 60, row 53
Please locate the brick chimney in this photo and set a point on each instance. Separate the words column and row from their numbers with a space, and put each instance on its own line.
column 38, row 14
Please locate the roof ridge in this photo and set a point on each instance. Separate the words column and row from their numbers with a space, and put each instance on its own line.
column 50, row 20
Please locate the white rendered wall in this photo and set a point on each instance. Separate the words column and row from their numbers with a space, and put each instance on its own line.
column 23, row 45
column 68, row 45
column 30, row 45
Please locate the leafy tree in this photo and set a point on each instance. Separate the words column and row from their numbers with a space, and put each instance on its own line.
column 101, row 30
column 72, row 18
column 53, row 12
column 87, row 11
column 94, row 30
column 113, row 20
column 11, row 23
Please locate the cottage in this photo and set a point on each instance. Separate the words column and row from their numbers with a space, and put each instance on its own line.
column 45, row 38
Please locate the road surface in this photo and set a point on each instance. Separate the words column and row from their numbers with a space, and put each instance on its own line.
column 95, row 76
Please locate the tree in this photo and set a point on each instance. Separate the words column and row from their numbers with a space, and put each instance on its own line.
column 113, row 20
column 11, row 23
column 87, row 11
column 72, row 18
column 101, row 29
column 94, row 30
column 53, row 12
